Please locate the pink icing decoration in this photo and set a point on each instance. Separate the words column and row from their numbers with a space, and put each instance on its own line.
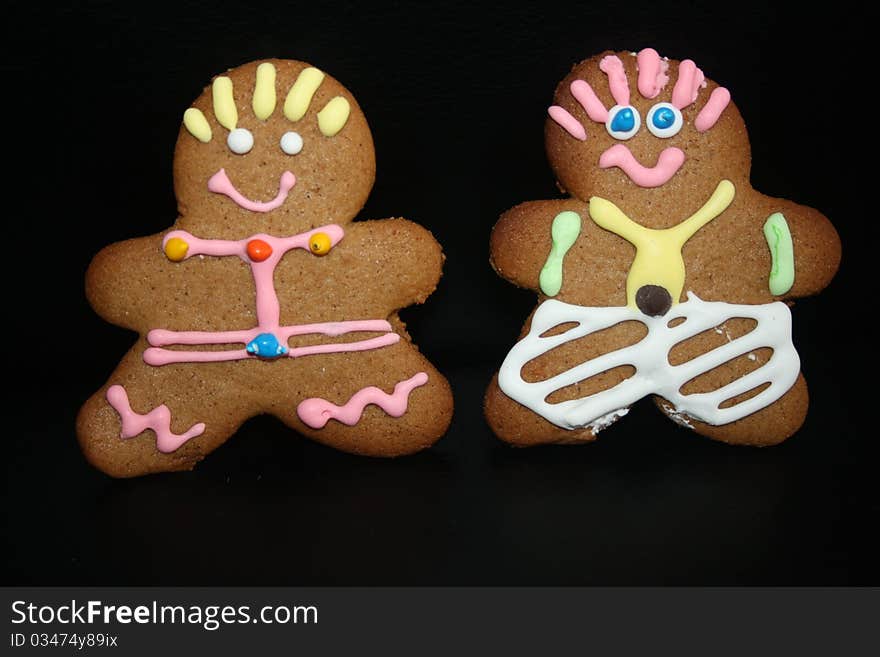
column 268, row 308
column 219, row 183
column 711, row 112
column 588, row 99
column 159, row 420
column 690, row 81
column 316, row 412
column 567, row 122
column 617, row 82
column 652, row 73
column 668, row 164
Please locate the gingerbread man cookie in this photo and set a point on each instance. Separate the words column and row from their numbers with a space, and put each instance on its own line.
column 664, row 274
column 264, row 296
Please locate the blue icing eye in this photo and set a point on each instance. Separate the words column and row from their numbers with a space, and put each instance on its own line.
column 663, row 118
column 266, row 345
column 623, row 121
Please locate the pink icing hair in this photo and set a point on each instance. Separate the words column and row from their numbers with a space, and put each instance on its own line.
column 617, row 82
column 690, row 81
column 652, row 73
column 652, row 80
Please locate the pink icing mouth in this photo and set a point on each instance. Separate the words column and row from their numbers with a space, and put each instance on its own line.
column 219, row 183
column 668, row 164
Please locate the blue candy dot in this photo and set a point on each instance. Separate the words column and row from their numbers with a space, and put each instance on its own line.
column 266, row 345
column 663, row 118
column 623, row 121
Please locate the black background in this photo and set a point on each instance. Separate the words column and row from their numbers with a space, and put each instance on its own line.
column 456, row 96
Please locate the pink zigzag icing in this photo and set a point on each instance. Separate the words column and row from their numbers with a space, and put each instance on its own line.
column 159, row 420
column 317, row 412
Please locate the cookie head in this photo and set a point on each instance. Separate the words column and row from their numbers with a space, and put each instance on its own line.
column 275, row 146
column 626, row 121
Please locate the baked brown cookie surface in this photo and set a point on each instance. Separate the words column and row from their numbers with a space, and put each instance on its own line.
column 264, row 296
column 664, row 274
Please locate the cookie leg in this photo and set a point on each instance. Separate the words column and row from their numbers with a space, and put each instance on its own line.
column 517, row 424
column 158, row 419
column 520, row 426
column 385, row 402
column 768, row 426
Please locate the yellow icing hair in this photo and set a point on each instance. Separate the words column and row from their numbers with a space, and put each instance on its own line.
column 300, row 95
column 331, row 118
column 264, row 91
column 224, row 103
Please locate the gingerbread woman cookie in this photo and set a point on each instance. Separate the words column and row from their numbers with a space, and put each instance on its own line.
column 264, row 296
column 664, row 274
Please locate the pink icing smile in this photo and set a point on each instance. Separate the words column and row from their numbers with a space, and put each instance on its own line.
column 668, row 164
column 219, row 183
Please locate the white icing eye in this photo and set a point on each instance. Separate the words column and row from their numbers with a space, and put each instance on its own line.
column 291, row 143
column 664, row 120
column 623, row 122
column 240, row 141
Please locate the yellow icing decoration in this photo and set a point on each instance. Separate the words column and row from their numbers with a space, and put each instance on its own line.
column 658, row 258
column 332, row 118
column 176, row 249
column 264, row 91
column 224, row 103
column 197, row 124
column 320, row 244
column 300, row 95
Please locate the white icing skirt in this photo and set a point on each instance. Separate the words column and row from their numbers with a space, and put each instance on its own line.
column 650, row 358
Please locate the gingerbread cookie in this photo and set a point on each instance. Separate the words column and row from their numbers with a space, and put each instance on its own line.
column 664, row 274
column 264, row 296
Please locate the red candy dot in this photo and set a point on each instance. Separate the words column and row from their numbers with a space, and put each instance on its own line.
column 258, row 250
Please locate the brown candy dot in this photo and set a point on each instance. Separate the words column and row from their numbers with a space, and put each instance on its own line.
column 653, row 300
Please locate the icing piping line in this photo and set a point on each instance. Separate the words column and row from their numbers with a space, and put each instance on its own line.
column 652, row 73
column 564, row 232
column 668, row 163
column 617, row 82
column 781, row 253
column 690, row 81
column 219, row 183
column 584, row 94
column 317, row 412
column 159, row 420
column 711, row 112
column 567, row 122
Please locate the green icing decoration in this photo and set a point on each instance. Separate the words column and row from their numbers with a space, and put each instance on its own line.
column 782, row 251
column 565, row 230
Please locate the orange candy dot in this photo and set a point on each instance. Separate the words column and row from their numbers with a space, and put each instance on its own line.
column 258, row 250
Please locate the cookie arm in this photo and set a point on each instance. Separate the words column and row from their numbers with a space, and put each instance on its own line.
column 817, row 249
column 119, row 272
column 395, row 259
column 521, row 240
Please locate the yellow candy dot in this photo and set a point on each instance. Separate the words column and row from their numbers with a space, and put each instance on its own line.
column 176, row 249
column 320, row 244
